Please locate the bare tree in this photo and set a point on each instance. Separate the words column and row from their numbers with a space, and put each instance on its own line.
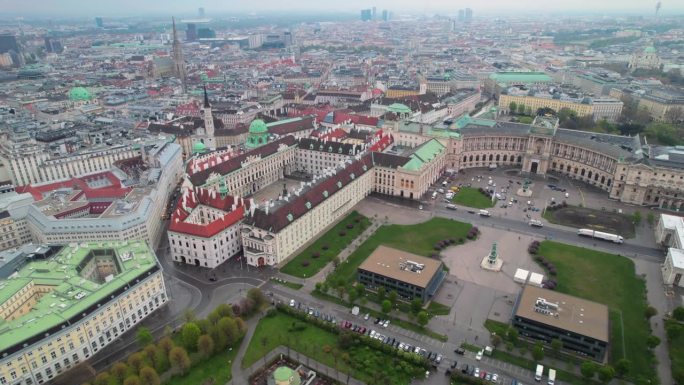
column 674, row 114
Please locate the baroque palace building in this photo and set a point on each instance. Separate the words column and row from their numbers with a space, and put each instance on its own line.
column 626, row 167
column 403, row 159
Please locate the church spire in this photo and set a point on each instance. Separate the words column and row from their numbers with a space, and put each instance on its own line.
column 206, row 98
column 178, row 60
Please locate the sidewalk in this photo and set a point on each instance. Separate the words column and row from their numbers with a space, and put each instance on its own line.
column 239, row 375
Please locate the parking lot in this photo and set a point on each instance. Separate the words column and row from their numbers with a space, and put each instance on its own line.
column 451, row 357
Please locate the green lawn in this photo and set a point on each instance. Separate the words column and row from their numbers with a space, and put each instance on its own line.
column 217, row 367
column 360, row 361
column 676, row 346
column 609, row 279
column 333, row 240
column 472, row 197
column 418, row 239
column 436, row 308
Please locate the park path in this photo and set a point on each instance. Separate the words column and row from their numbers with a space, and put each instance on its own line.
column 239, row 376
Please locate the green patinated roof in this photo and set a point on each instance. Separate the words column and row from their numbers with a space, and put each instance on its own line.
column 523, row 77
column 649, row 50
column 424, row 154
column 466, row 119
column 198, row 147
column 258, row 127
column 279, row 122
column 60, row 272
column 285, row 374
column 399, row 108
column 79, row 93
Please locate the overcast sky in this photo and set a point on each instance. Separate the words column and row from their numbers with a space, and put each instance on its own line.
column 163, row 7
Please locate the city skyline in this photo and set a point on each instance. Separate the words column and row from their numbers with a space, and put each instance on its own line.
column 79, row 8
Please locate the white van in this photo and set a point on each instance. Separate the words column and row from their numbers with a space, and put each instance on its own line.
column 536, row 223
column 552, row 377
column 485, row 213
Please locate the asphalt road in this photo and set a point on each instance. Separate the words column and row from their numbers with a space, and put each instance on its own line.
column 551, row 232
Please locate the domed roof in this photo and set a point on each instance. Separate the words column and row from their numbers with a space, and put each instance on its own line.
column 286, row 376
column 258, row 127
column 79, row 93
column 649, row 50
column 198, row 147
column 399, row 108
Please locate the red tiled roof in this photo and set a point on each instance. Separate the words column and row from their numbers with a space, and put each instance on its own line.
column 208, row 198
column 341, row 117
column 79, row 184
column 381, row 141
column 278, row 220
column 199, row 178
column 306, row 123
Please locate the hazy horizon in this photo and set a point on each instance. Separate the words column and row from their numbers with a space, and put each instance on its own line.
column 215, row 8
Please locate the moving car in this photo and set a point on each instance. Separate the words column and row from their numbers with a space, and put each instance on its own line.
column 536, row 223
column 292, row 303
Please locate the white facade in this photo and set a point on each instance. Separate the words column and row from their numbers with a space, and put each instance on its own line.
column 264, row 247
column 140, row 220
column 673, row 268
column 205, row 251
column 28, row 162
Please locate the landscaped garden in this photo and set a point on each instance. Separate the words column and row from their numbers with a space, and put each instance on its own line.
column 327, row 247
column 675, row 335
column 199, row 352
column 419, row 239
column 342, row 350
column 473, row 197
column 611, row 280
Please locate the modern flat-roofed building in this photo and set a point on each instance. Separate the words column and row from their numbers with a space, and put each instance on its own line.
column 59, row 310
column 410, row 275
column 580, row 324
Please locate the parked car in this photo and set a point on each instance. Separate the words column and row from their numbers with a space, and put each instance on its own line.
column 292, row 303
column 460, row 351
column 476, row 373
column 366, row 317
column 479, row 354
column 386, row 323
column 495, row 378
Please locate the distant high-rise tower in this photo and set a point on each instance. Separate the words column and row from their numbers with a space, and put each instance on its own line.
column 366, row 14
column 461, row 15
column 208, row 117
column 8, row 42
column 385, row 15
column 374, row 13
column 468, row 15
column 178, row 60
column 200, row 12
column 191, row 32
column 99, row 22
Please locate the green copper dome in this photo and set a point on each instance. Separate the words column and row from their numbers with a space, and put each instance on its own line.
column 258, row 127
column 399, row 108
column 649, row 50
column 198, row 148
column 79, row 93
column 286, row 376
